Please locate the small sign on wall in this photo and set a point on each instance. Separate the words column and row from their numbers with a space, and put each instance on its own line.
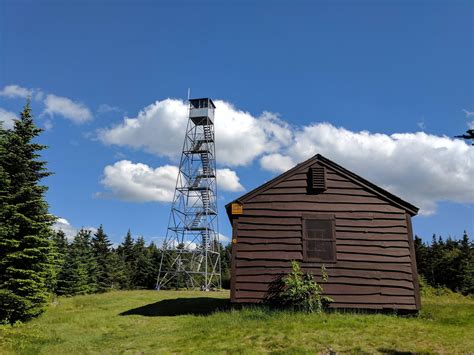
column 237, row 208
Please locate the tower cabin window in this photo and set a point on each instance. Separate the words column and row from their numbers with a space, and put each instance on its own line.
column 319, row 244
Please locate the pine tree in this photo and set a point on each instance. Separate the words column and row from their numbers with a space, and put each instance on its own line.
column 154, row 254
column 60, row 247
column 101, row 247
column 5, row 208
column 226, row 256
column 141, row 265
column 126, row 252
column 118, row 276
column 79, row 272
column 467, row 265
column 26, row 256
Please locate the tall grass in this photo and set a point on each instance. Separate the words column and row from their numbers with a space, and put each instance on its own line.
column 194, row 322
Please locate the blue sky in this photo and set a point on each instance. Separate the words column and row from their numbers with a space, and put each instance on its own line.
column 379, row 87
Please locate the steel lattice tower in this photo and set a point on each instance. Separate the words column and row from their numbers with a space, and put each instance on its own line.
column 190, row 255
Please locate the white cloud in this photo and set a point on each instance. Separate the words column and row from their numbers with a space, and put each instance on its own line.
column 159, row 129
column 470, row 125
column 48, row 125
column 223, row 238
column 69, row 230
column 228, row 180
column 7, row 118
column 14, row 91
column 276, row 162
column 139, row 182
column 63, row 106
column 468, row 113
column 105, row 108
column 421, row 168
column 39, row 95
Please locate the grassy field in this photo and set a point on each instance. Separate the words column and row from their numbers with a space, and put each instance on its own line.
column 182, row 322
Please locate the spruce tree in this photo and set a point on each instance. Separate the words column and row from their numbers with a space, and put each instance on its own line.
column 154, row 255
column 118, row 276
column 467, row 265
column 60, row 247
column 101, row 247
column 79, row 272
column 126, row 252
column 141, row 265
column 26, row 248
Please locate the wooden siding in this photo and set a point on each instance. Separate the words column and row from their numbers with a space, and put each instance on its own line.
column 374, row 268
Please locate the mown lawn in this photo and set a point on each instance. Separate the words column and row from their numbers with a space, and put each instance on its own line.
column 152, row 322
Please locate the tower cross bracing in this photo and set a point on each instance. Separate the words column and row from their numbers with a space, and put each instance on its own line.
column 190, row 254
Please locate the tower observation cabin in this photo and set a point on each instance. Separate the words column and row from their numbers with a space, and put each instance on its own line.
column 201, row 111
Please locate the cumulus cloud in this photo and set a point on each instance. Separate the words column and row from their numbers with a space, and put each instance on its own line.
column 421, row 168
column 14, row 91
column 276, row 162
column 159, row 129
column 7, row 118
column 139, row 182
column 65, row 107
column 228, row 180
column 69, row 230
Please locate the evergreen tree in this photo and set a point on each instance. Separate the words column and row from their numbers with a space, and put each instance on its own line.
column 127, row 248
column 421, row 252
column 447, row 263
column 126, row 252
column 60, row 247
column 79, row 272
column 5, row 208
column 118, row 276
column 467, row 265
column 226, row 256
column 154, row 254
column 102, row 253
column 141, row 265
column 26, row 248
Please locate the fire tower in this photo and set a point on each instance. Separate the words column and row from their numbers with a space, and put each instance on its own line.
column 190, row 255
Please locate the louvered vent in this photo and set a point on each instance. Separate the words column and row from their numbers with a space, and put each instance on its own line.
column 318, row 179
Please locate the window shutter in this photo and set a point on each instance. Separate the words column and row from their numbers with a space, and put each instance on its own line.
column 318, row 240
column 318, row 179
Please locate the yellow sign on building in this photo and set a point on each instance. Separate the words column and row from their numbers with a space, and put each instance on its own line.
column 237, row 208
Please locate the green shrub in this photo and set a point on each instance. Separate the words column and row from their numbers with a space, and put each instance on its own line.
column 301, row 292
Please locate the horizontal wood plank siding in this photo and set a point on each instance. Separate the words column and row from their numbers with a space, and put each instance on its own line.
column 373, row 268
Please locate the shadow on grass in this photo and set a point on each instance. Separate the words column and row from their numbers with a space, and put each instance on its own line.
column 199, row 306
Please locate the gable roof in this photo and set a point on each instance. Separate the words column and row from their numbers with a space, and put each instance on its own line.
column 318, row 158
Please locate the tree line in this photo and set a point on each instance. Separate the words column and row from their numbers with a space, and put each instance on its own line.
column 446, row 263
column 90, row 264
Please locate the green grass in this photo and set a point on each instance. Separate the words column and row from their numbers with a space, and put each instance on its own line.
column 152, row 322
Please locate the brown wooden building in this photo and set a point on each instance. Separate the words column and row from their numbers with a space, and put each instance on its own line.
column 320, row 213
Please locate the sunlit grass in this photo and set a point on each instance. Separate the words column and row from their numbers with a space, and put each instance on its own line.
column 183, row 322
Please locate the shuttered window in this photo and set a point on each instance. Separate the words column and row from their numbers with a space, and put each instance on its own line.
column 319, row 243
column 317, row 179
